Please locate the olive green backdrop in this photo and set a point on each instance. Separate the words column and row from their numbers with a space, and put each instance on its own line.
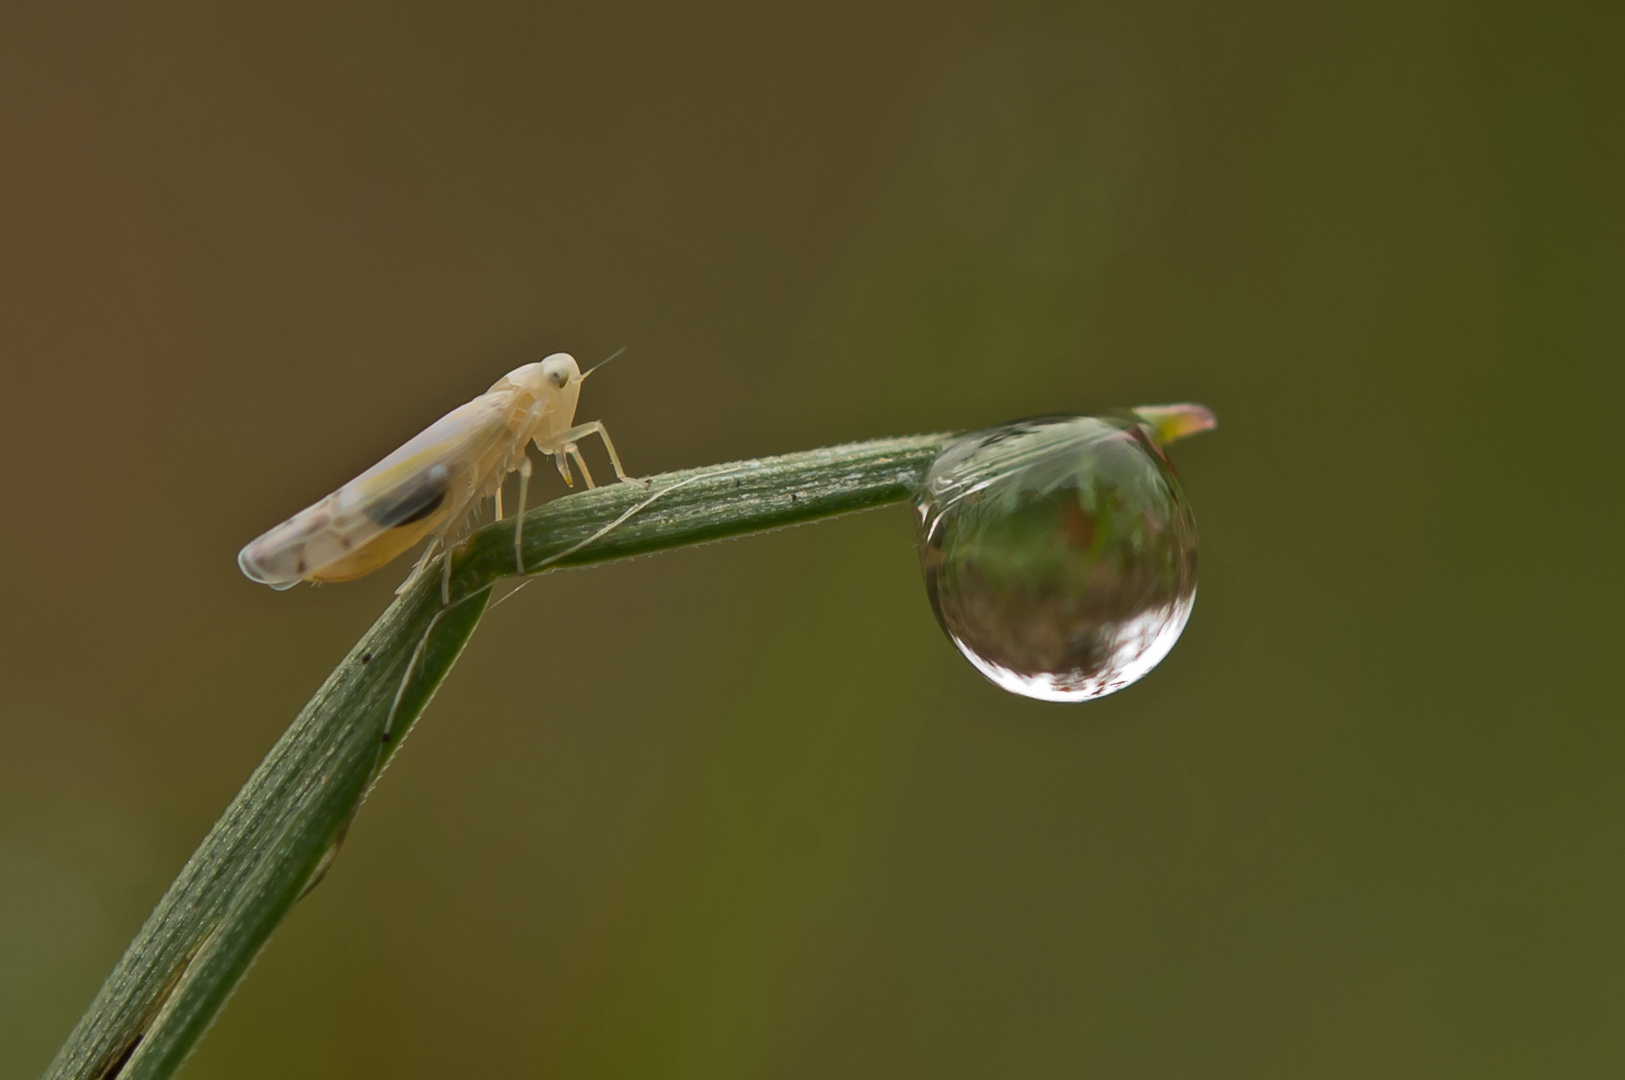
column 742, row 811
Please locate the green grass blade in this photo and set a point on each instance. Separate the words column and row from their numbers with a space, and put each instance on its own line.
column 275, row 837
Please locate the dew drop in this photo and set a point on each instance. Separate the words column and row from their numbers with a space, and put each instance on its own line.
column 1059, row 552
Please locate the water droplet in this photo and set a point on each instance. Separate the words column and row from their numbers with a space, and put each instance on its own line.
column 1059, row 553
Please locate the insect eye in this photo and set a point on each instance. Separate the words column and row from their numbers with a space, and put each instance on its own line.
column 560, row 378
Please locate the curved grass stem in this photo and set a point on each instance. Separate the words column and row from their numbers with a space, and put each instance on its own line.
column 278, row 835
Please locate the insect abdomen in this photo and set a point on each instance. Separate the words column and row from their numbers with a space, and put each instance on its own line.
column 415, row 503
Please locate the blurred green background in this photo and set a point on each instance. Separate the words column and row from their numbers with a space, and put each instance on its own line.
column 742, row 811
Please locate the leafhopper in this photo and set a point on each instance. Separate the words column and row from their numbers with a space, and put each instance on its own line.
column 432, row 484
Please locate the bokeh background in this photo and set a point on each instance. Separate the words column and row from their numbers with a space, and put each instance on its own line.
column 742, row 811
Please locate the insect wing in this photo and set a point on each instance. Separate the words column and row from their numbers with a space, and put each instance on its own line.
column 430, row 475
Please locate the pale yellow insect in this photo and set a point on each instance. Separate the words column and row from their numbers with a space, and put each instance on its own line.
column 431, row 485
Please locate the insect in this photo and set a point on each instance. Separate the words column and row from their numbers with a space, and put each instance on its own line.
column 430, row 485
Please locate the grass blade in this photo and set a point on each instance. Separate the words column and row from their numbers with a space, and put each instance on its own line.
column 275, row 838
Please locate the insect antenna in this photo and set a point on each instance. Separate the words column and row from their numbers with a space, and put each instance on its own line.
column 602, row 362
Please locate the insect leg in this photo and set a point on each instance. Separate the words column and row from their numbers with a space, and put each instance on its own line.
column 418, row 650
column 412, row 662
column 564, row 468
column 406, row 677
column 419, row 566
column 595, row 427
column 519, row 518
column 575, row 453
column 457, row 526
column 496, row 513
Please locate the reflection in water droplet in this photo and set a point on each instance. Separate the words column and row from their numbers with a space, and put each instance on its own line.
column 1059, row 552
